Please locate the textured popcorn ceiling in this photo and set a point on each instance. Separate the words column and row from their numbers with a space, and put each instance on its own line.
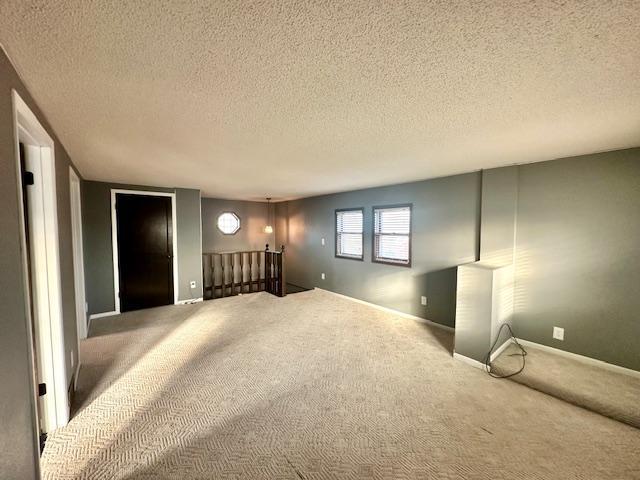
column 286, row 99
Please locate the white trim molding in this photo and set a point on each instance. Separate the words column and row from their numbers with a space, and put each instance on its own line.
column 75, row 198
column 114, row 240
column 93, row 316
column 75, row 375
column 496, row 353
column 391, row 310
column 581, row 358
column 469, row 361
column 46, row 287
column 189, row 301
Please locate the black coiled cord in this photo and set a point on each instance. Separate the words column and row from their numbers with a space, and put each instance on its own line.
column 523, row 354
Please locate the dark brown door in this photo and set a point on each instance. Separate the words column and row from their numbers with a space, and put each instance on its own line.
column 145, row 251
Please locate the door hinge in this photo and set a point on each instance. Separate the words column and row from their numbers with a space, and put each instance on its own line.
column 42, row 389
column 43, row 440
column 27, row 178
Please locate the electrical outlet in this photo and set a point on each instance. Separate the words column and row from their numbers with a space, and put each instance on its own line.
column 193, row 284
column 558, row 333
column 423, row 300
column 322, row 276
column 322, row 242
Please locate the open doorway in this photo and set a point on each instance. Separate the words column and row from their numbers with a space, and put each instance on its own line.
column 41, row 263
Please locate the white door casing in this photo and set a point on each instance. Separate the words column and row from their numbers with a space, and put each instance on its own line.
column 78, row 254
column 46, row 317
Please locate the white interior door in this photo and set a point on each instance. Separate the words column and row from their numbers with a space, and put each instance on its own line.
column 39, row 287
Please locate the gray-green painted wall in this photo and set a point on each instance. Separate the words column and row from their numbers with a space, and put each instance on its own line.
column 251, row 236
column 498, row 215
column 188, row 211
column 445, row 222
column 578, row 255
column 98, row 251
column 497, row 233
column 18, row 443
column 576, row 223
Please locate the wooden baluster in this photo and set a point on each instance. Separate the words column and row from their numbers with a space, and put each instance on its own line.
column 216, row 268
column 250, row 260
column 283, row 281
column 257, row 267
column 267, row 268
column 212, row 272
column 270, row 263
column 233, row 273
column 266, row 271
column 272, row 272
column 276, row 273
column 224, row 274
column 241, row 272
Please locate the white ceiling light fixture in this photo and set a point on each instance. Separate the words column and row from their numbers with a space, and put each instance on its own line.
column 268, row 228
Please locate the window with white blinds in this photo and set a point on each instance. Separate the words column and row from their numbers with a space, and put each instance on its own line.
column 392, row 234
column 349, row 231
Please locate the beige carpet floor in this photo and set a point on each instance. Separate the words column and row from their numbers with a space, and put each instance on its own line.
column 603, row 391
column 313, row 386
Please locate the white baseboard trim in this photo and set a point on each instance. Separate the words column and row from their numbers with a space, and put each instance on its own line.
column 582, row 358
column 75, row 376
column 189, row 301
column 93, row 316
column 391, row 310
column 501, row 349
column 469, row 361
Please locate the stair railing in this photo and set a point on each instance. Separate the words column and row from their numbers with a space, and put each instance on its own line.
column 226, row 274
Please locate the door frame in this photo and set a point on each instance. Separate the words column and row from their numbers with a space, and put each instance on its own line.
column 47, row 295
column 114, row 240
column 75, row 198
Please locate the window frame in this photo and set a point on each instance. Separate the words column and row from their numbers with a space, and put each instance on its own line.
column 232, row 213
column 373, row 234
column 335, row 228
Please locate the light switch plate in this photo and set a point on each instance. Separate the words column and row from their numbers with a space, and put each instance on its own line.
column 423, row 300
column 322, row 242
column 322, row 276
column 558, row 333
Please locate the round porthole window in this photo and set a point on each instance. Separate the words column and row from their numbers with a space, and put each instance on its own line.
column 228, row 223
